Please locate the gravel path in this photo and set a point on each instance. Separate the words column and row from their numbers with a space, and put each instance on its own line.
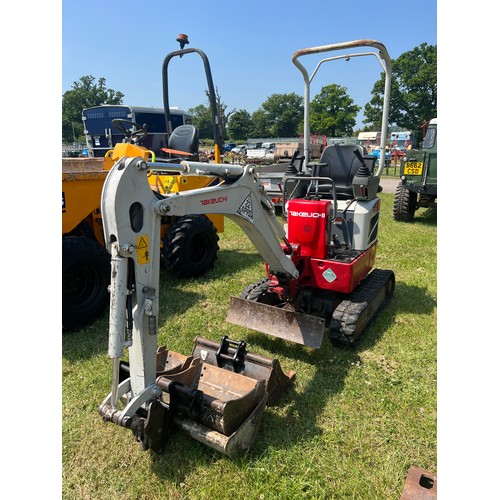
column 389, row 185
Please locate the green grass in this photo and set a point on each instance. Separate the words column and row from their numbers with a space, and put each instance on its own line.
column 351, row 426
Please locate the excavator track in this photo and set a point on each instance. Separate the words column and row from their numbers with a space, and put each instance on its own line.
column 353, row 315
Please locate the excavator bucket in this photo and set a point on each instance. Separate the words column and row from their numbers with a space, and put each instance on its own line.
column 212, row 396
column 285, row 324
column 233, row 356
column 217, row 394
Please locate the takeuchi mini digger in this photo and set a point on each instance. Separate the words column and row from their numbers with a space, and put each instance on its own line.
column 319, row 278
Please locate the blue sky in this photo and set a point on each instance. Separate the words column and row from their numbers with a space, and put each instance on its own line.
column 249, row 45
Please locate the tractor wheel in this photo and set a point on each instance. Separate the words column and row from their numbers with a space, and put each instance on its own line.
column 86, row 273
column 191, row 246
column 405, row 204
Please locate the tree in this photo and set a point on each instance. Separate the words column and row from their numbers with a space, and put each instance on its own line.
column 413, row 90
column 333, row 112
column 202, row 120
column 239, row 125
column 84, row 93
column 222, row 113
column 279, row 116
column 202, row 117
column 260, row 124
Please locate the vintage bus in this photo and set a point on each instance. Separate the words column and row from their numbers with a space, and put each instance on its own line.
column 101, row 136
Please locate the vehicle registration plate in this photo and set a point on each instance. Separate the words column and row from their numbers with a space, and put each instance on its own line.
column 413, row 167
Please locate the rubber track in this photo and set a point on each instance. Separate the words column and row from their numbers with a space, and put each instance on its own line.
column 352, row 316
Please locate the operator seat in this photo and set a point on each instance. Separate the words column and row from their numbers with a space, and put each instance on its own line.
column 183, row 138
column 339, row 163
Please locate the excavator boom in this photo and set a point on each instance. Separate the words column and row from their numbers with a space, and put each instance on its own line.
column 216, row 402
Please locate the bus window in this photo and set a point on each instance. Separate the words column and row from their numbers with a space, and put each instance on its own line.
column 155, row 122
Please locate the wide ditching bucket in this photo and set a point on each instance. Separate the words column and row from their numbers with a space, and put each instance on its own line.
column 218, row 394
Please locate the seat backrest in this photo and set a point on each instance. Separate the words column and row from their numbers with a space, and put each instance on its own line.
column 184, row 138
column 341, row 166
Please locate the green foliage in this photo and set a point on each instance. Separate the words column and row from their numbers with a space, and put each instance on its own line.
column 333, row 112
column 84, row 93
column 202, row 117
column 279, row 116
column 240, row 125
column 202, row 120
column 260, row 124
column 413, row 90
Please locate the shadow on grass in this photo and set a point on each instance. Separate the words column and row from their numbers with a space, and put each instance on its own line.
column 297, row 416
column 426, row 216
column 292, row 421
column 231, row 261
column 92, row 339
column 298, row 413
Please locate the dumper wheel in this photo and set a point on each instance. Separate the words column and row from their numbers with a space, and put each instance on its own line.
column 191, row 246
column 86, row 275
column 405, row 204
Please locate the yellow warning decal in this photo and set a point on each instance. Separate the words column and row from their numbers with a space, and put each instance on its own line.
column 142, row 247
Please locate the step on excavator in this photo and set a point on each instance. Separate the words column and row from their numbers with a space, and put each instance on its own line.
column 319, row 278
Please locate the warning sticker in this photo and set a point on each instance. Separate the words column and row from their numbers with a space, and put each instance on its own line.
column 329, row 275
column 142, row 247
column 246, row 209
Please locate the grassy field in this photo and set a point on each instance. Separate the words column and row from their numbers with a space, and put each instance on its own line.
column 353, row 423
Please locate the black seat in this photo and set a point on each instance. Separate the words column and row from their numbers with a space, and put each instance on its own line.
column 184, row 138
column 341, row 165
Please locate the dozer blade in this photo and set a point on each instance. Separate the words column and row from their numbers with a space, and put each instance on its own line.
column 289, row 325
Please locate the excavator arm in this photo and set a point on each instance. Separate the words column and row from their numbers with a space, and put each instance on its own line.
column 132, row 215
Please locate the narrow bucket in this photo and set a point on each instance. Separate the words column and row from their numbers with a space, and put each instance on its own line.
column 212, row 396
column 233, row 356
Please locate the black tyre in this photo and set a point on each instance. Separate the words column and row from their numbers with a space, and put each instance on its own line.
column 258, row 292
column 191, row 246
column 86, row 273
column 255, row 290
column 405, row 204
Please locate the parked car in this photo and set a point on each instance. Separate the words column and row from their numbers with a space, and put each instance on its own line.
column 228, row 147
column 239, row 150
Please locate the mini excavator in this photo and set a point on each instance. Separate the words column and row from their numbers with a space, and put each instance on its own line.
column 320, row 278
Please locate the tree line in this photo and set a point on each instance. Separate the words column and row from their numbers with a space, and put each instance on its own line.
column 332, row 111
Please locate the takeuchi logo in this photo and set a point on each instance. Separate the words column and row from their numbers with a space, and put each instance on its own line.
column 310, row 215
column 212, row 201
